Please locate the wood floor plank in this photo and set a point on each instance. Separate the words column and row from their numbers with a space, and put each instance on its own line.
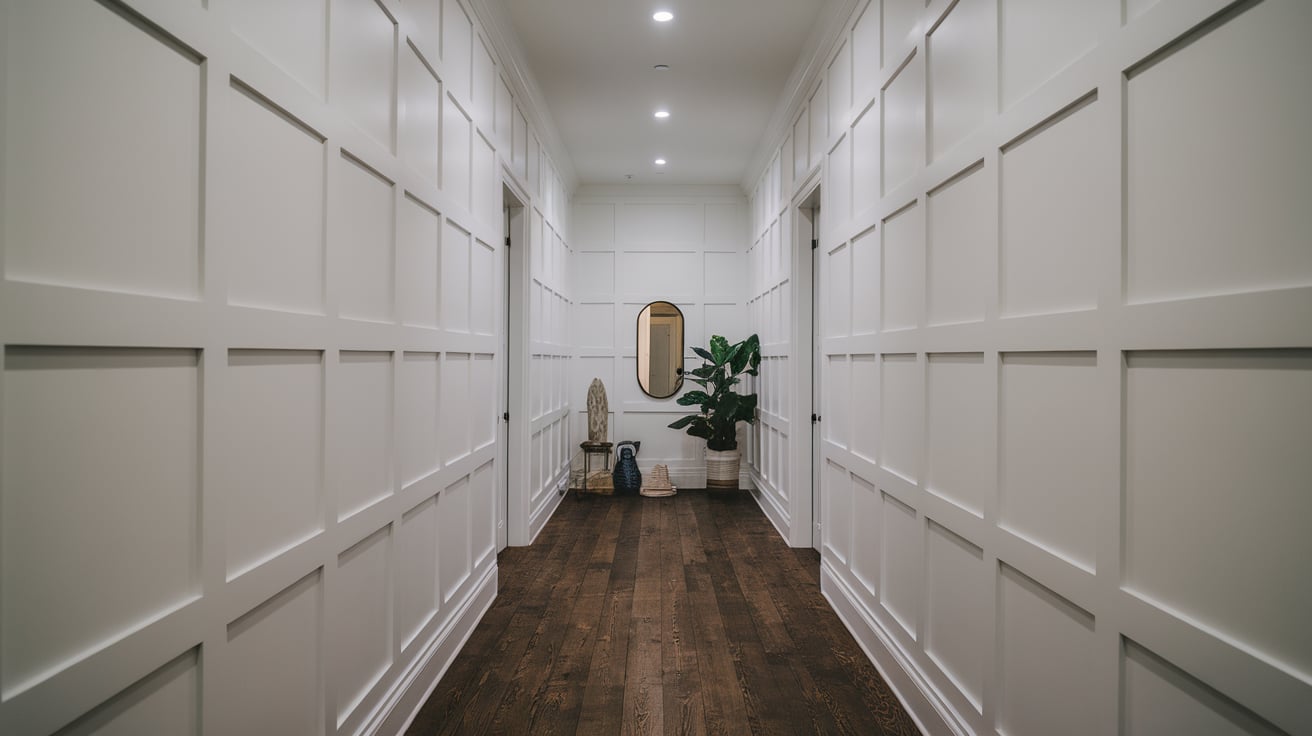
column 685, row 714
column 682, row 615
column 603, row 697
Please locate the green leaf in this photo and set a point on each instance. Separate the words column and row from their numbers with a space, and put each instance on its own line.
column 719, row 349
column 693, row 397
column 705, row 371
column 682, row 422
column 704, row 353
column 700, row 429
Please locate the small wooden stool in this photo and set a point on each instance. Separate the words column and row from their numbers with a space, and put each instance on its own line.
column 589, row 450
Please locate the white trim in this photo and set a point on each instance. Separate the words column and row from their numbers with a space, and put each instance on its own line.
column 922, row 701
column 411, row 690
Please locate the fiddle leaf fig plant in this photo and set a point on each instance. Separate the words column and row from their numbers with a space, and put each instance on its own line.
column 721, row 408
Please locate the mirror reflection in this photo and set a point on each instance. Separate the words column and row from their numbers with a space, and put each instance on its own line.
column 660, row 349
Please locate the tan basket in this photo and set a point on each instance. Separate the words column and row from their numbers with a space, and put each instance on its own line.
column 656, row 484
column 722, row 470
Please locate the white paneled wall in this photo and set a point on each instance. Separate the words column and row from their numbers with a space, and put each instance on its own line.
column 252, row 369
column 1065, row 357
column 550, row 304
column 636, row 245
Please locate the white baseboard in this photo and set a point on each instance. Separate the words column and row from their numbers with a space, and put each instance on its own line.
column 413, row 688
column 927, row 708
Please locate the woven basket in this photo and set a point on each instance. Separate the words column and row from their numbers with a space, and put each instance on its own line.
column 656, row 484
column 722, row 470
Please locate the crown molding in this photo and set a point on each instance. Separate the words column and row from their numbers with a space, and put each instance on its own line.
column 500, row 33
column 825, row 34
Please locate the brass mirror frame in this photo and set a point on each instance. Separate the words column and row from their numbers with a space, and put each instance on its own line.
column 677, row 379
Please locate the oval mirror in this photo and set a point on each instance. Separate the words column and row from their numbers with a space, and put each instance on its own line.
column 660, row 349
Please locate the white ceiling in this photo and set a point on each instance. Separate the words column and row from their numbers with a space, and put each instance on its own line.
column 729, row 62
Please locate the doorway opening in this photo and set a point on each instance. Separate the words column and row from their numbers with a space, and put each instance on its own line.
column 808, row 354
column 513, row 493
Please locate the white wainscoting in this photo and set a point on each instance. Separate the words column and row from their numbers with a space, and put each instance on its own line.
column 1064, row 356
column 252, row 315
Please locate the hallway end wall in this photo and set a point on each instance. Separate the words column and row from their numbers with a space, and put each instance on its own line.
column 639, row 244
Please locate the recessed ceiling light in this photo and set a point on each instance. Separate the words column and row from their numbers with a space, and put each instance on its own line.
column 662, row 67
column 662, row 16
column 662, row 114
column 660, row 162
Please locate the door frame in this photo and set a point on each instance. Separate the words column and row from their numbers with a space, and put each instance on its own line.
column 516, row 494
column 804, row 473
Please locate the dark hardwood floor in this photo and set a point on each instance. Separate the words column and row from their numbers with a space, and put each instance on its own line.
column 683, row 615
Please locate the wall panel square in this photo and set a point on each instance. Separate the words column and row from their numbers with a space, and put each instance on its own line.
column 836, row 502
column 837, row 289
column 1216, row 448
column 961, row 452
column 818, row 109
column 1039, row 627
column 1058, row 184
column 280, row 639
column 484, row 397
column 838, row 173
column 865, row 160
column 866, row 282
column 363, row 57
column 457, row 152
column 418, row 140
column 418, row 253
column 453, row 531
column 415, row 592
column 293, row 35
column 837, row 384
column 903, row 270
column 726, row 227
column 865, row 49
column 958, row 634
column 649, row 275
column 1042, row 39
column 273, row 185
column 1158, row 697
column 456, row 402
column 486, row 283
column 272, row 430
column 724, row 276
column 1052, row 420
column 660, row 226
column 901, row 561
column 427, row 21
column 903, row 417
column 417, row 416
column 455, row 289
column 363, row 243
column 360, row 431
column 864, row 401
column 92, row 437
column 86, row 202
column 961, row 243
column 867, row 505
column 165, row 701
column 721, row 319
column 962, row 73
column 457, row 47
column 483, row 512
column 1259, row 240
column 359, row 616
column 904, row 124
column 594, row 226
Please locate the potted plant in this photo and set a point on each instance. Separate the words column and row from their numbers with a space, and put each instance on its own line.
column 721, row 408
